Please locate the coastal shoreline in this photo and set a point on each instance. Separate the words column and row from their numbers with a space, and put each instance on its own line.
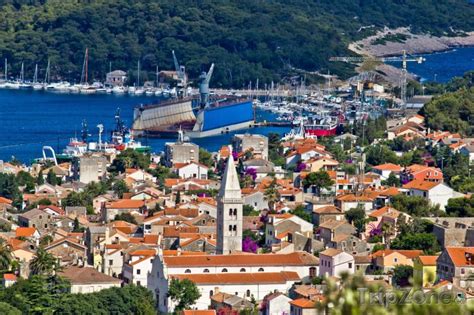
column 413, row 44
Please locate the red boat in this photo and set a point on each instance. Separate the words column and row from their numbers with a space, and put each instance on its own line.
column 321, row 126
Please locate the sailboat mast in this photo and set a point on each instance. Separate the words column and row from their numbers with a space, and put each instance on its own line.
column 35, row 77
column 22, row 73
column 6, row 69
column 157, row 74
column 87, row 62
column 46, row 76
column 138, row 78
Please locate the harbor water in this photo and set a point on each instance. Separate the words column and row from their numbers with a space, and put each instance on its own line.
column 30, row 120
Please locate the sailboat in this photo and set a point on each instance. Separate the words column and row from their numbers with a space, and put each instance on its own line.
column 3, row 83
column 84, row 87
column 139, row 90
column 36, row 85
column 23, row 84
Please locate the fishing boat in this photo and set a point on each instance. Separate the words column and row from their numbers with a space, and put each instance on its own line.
column 321, row 125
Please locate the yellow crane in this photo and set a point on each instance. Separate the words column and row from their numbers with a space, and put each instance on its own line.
column 403, row 59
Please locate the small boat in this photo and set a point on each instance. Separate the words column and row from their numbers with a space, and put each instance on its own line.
column 119, row 90
column 139, row 91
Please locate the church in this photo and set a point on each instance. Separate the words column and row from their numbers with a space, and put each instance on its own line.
column 229, row 271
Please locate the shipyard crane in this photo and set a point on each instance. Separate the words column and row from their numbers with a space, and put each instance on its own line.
column 204, row 79
column 181, row 73
column 404, row 59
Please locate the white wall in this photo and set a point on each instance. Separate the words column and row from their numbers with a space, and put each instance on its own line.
column 90, row 288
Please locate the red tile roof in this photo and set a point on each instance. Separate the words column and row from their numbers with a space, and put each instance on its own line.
column 25, row 231
column 303, row 303
column 126, row 204
column 421, row 185
column 9, row 277
column 240, row 278
column 292, row 259
column 460, row 255
column 428, row 260
column 407, row 253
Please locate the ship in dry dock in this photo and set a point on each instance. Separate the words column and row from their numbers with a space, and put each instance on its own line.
column 199, row 117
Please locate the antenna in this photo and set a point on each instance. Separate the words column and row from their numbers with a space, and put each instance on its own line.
column 101, row 130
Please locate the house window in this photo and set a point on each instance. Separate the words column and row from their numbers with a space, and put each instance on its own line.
column 139, row 283
column 312, row 272
column 45, row 226
column 230, row 228
column 111, row 262
column 138, row 271
column 462, row 271
column 358, row 267
column 395, row 260
column 248, row 293
column 224, row 270
column 187, row 271
column 206, row 271
column 211, row 293
column 242, row 270
column 350, row 265
column 260, row 270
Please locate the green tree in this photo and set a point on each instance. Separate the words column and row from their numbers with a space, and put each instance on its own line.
column 178, row 197
column 6, row 257
column 392, row 181
column 249, row 210
column 40, row 178
column 77, row 228
column 26, row 180
column 7, row 309
column 319, row 180
column 205, row 157
column 272, row 195
column 127, row 217
column 120, row 187
column 460, row 207
column 402, row 274
column 415, row 206
column 51, row 178
column 302, row 213
column 44, row 263
column 356, row 216
column 130, row 159
column 184, row 293
column 422, row 241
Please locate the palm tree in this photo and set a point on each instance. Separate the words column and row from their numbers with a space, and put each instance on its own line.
column 5, row 255
column 44, row 263
column 387, row 232
column 272, row 195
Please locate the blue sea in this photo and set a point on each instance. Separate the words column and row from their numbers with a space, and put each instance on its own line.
column 30, row 120
column 442, row 66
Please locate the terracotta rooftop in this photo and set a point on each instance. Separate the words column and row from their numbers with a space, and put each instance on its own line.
column 240, row 278
column 407, row 253
column 428, row 260
column 292, row 259
column 5, row 200
column 199, row 312
column 86, row 275
column 388, row 167
column 330, row 252
column 460, row 255
column 303, row 303
column 126, row 204
column 421, row 185
column 328, row 209
column 9, row 277
column 25, row 231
